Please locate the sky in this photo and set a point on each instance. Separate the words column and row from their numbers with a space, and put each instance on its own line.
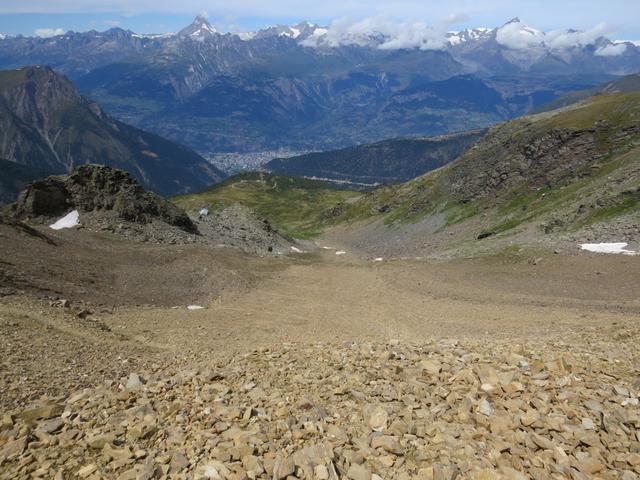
column 48, row 17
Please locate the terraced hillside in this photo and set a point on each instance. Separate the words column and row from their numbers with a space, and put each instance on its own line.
column 571, row 173
column 295, row 206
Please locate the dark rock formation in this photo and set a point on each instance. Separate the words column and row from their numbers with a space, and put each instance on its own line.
column 97, row 188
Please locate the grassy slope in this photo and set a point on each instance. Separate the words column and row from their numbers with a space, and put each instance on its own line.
column 295, row 206
column 431, row 193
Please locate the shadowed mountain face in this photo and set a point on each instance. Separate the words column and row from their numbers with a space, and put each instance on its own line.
column 47, row 125
column 15, row 177
column 626, row 84
column 389, row 161
column 287, row 86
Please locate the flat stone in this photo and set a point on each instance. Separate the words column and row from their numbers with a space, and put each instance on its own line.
column 484, row 407
column 87, row 470
column 377, row 418
column 358, row 472
column 51, row 426
column 134, row 382
column 41, row 413
column 13, row 448
column 430, row 366
column 387, row 443
column 283, row 467
column 488, row 375
column 590, row 466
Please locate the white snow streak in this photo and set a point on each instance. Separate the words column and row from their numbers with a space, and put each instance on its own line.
column 70, row 220
column 608, row 248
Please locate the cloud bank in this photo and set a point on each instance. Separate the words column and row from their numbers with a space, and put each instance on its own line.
column 612, row 50
column 387, row 34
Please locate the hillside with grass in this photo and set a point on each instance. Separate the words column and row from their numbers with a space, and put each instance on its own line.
column 297, row 207
column 571, row 173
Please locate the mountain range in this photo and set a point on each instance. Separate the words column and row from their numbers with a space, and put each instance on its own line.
column 48, row 126
column 308, row 87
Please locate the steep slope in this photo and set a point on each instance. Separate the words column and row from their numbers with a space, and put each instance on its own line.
column 48, row 125
column 14, row 178
column 553, row 178
column 388, row 161
column 295, row 206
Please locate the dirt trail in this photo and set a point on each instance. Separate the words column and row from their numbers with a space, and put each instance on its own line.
column 343, row 299
column 318, row 297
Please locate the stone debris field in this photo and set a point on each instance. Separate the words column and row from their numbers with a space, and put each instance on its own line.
column 445, row 410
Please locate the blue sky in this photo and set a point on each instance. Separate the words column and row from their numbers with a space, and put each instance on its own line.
column 160, row 16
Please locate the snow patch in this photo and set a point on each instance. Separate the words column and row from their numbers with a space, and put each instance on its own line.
column 296, row 249
column 620, row 247
column 70, row 220
column 379, row 259
column 341, row 252
column 195, row 307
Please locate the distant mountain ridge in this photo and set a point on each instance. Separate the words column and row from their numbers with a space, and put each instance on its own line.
column 48, row 125
column 312, row 87
column 626, row 84
column 389, row 161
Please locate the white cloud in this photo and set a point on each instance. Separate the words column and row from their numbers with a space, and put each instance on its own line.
column 612, row 50
column 518, row 36
column 559, row 39
column 383, row 32
column 48, row 32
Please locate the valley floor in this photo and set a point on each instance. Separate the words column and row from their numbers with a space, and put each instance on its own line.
column 316, row 365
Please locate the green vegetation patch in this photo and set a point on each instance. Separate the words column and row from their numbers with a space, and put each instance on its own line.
column 298, row 207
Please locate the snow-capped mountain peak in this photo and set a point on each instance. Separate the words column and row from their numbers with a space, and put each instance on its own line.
column 468, row 35
column 3, row 36
column 518, row 36
column 199, row 29
column 298, row 32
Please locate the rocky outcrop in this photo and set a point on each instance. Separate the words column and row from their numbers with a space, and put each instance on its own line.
column 98, row 189
column 509, row 159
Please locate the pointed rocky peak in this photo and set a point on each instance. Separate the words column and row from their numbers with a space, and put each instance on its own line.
column 513, row 20
column 468, row 35
column 200, row 28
